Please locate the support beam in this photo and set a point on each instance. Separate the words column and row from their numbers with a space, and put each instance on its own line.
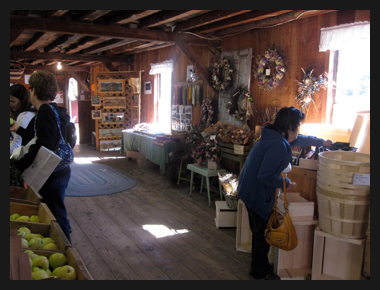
column 114, row 31
column 189, row 52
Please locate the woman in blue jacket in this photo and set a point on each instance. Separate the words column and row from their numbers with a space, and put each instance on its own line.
column 260, row 177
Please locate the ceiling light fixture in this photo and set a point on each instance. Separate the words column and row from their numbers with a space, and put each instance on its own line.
column 59, row 65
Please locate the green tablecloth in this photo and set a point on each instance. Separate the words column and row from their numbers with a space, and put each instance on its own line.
column 144, row 144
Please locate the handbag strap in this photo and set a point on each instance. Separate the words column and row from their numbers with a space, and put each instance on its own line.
column 283, row 175
column 58, row 121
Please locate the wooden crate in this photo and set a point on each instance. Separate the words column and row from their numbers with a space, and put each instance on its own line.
column 53, row 231
column 308, row 164
column 19, row 261
column 225, row 216
column 296, row 264
column 41, row 210
column 23, row 195
column 73, row 259
column 336, row 258
column 299, row 208
column 235, row 152
column 306, row 180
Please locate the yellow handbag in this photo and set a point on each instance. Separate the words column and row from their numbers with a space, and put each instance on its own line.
column 281, row 235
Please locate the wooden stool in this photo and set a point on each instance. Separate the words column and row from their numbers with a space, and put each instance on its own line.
column 205, row 172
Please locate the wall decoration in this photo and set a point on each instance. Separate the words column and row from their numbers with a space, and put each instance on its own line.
column 112, row 117
column 95, row 101
column 181, row 117
column 112, row 102
column 148, row 88
column 307, row 88
column 269, row 69
column 96, row 114
column 112, row 85
column 222, row 75
column 241, row 110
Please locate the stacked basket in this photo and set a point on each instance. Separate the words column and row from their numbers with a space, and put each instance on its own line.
column 343, row 204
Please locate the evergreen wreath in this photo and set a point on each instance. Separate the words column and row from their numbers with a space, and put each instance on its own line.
column 263, row 62
column 243, row 111
column 221, row 75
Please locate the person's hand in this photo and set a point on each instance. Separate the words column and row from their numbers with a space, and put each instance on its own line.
column 14, row 127
column 327, row 142
column 291, row 186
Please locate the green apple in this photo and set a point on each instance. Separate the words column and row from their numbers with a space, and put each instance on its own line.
column 25, row 243
column 25, row 229
column 50, row 246
column 23, row 218
column 47, row 240
column 65, row 272
column 11, row 121
column 14, row 216
column 41, row 262
column 31, row 254
column 30, row 236
column 39, row 236
column 39, row 274
column 57, row 260
column 34, row 218
column 21, row 233
column 35, row 243
column 49, row 272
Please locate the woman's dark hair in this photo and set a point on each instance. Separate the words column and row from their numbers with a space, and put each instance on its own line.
column 20, row 92
column 44, row 84
column 287, row 118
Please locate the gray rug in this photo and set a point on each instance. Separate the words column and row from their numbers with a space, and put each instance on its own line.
column 97, row 179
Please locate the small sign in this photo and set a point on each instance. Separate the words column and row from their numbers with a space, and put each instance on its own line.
column 212, row 137
column 238, row 149
column 361, row 179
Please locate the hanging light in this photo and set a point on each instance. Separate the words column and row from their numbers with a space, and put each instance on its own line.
column 59, row 65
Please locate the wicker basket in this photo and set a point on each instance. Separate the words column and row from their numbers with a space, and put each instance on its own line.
column 231, row 200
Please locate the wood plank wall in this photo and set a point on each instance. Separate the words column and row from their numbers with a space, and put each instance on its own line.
column 299, row 41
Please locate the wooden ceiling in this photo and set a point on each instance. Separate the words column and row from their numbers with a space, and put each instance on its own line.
column 83, row 38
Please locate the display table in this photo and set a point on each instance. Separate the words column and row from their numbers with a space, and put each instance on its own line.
column 205, row 172
column 145, row 145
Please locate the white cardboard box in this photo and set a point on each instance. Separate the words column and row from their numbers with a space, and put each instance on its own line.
column 299, row 207
column 225, row 217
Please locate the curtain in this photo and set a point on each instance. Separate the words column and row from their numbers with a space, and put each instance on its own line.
column 345, row 35
column 159, row 68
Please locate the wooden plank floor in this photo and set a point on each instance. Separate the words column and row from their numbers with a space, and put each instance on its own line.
column 116, row 234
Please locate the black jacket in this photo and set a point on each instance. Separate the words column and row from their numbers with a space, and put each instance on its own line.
column 46, row 130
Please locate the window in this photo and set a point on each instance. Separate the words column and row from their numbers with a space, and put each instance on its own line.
column 162, row 94
column 349, row 89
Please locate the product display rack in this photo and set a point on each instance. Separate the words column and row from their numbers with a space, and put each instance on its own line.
column 117, row 103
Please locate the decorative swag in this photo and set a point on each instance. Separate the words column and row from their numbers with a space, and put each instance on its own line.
column 340, row 36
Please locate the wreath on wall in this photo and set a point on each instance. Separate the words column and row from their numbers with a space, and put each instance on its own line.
column 241, row 111
column 221, row 75
column 269, row 69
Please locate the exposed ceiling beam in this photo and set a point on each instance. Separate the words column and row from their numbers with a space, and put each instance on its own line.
column 66, row 57
column 72, row 27
column 207, row 18
column 54, row 68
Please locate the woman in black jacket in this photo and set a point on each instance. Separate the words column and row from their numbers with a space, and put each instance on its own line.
column 43, row 90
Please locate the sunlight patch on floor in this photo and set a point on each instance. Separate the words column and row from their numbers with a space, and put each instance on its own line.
column 84, row 160
column 160, row 231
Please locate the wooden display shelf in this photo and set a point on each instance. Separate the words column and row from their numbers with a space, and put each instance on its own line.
column 23, row 195
column 235, row 152
column 53, row 231
column 41, row 210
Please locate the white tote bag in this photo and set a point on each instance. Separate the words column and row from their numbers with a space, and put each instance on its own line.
column 42, row 167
